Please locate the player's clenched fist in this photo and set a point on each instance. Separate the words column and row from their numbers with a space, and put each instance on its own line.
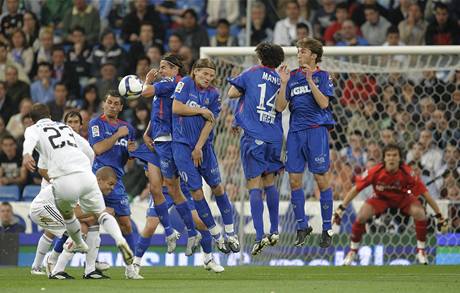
column 122, row 131
column 338, row 214
column 443, row 224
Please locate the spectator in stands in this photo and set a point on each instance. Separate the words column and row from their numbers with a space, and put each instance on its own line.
column 8, row 222
column 44, row 46
column 302, row 31
column 355, row 154
column 443, row 29
column 408, row 97
column 11, row 169
column 341, row 14
column 307, row 9
column 155, row 53
column 285, row 29
column 400, row 12
column 30, row 27
column 449, row 170
column 413, row 27
column 58, row 105
column 425, row 107
column 108, row 51
column 432, row 86
column 219, row 9
column 141, row 13
column 79, row 55
column 108, row 80
column 342, row 172
column 192, row 33
column 393, row 37
column 20, row 52
column 324, row 17
column 15, row 89
column 146, row 40
column 358, row 14
column 375, row 28
column 365, row 119
column 84, row 15
column 431, row 154
column 142, row 67
column 358, row 87
column 53, row 12
column 42, row 90
column 3, row 131
column 348, row 36
column 12, row 20
column 187, row 58
column 15, row 126
column 374, row 151
column 175, row 42
column 222, row 38
column 405, row 128
column 261, row 29
column 64, row 72
column 5, row 61
column 141, row 120
column 91, row 100
column 6, row 110
column 387, row 136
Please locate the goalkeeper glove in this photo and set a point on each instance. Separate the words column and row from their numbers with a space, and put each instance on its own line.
column 442, row 224
column 338, row 214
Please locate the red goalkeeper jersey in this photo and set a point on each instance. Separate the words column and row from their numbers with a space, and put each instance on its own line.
column 391, row 186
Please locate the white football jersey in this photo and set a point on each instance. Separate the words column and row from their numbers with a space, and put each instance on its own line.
column 62, row 150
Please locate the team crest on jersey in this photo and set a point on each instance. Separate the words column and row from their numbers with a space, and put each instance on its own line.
column 179, row 87
column 206, row 101
column 95, row 130
column 316, row 79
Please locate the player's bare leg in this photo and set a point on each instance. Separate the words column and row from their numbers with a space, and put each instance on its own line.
column 226, row 212
column 144, row 240
column 418, row 213
column 257, row 209
column 174, row 190
column 326, row 203
column 298, row 204
column 206, row 245
column 358, row 229
column 273, row 199
column 203, row 210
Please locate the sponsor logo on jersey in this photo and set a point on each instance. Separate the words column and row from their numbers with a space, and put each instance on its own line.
column 300, row 90
column 122, row 142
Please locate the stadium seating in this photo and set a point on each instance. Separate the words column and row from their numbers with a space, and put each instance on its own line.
column 30, row 192
column 9, row 193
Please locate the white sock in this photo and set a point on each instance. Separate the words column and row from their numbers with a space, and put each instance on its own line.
column 110, row 225
column 137, row 260
column 354, row 245
column 229, row 229
column 74, row 229
column 54, row 255
column 420, row 244
column 62, row 262
column 43, row 247
column 215, row 232
column 93, row 240
column 207, row 257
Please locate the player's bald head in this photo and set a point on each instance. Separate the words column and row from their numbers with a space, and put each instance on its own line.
column 106, row 173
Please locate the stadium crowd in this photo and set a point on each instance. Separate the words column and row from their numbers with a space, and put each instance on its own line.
column 69, row 53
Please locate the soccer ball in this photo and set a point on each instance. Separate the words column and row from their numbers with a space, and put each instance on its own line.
column 130, row 87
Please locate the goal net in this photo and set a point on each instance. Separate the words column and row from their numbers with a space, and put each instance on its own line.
column 408, row 95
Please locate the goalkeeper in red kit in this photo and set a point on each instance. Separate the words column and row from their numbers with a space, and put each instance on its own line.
column 395, row 186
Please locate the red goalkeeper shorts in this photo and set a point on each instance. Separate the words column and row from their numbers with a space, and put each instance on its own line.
column 381, row 204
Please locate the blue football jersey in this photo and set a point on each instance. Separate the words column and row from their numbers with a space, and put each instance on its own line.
column 256, row 113
column 187, row 129
column 305, row 112
column 161, row 115
column 99, row 129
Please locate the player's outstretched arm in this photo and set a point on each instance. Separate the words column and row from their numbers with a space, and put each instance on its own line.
column 234, row 93
column 180, row 108
column 106, row 144
column 280, row 101
column 341, row 209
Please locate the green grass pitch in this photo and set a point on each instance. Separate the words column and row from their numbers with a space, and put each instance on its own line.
column 395, row 279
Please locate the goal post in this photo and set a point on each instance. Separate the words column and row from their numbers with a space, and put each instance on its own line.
column 385, row 94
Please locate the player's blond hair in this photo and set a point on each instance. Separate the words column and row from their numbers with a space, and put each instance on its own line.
column 204, row 63
column 315, row 46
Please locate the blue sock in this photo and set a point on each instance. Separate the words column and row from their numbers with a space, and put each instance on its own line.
column 186, row 214
column 206, row 241
column 225, row 208
column 142, row 245
column 204, row 212
column 298, row 204
column 326, row 208
column 257, row 212
column 273, row 201
column 59, row 245
column 131, row 241
column 163, row 215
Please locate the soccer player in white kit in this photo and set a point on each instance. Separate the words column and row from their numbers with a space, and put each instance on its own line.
column 72, row 180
